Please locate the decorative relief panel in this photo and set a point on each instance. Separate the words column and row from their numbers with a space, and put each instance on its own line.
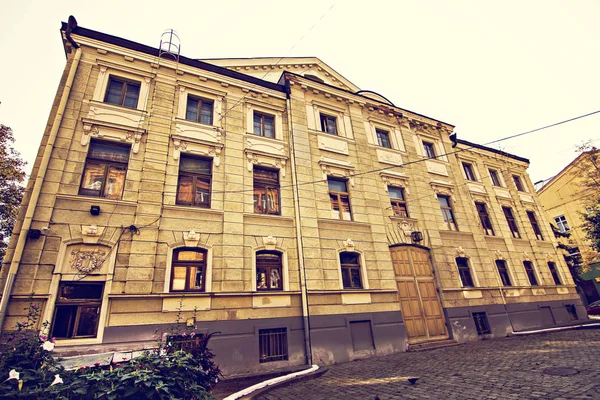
column 389, row 157
column 337, row 168
column 110, row 114
column 113, row 133
column 436, row 167
column 476, row 187
column 500, row 192
column 87, row 262
column 526, row 198
column 259, row 158
column 205, row 133
column 333, row 144
column 197, row 147
column 393, row 178
column 265, row 145
column 443, row 188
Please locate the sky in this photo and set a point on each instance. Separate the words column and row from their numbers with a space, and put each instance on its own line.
column 491, row 69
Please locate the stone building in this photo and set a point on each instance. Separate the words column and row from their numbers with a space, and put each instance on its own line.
column 564, row 197
column 275, row 202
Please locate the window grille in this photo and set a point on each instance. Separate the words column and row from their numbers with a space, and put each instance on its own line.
column 481, row 323
column 273, row 344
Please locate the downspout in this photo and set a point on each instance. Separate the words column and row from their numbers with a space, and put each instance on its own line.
column 37, row 188
column 299, row 243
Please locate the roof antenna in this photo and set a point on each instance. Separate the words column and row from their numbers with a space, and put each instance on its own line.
column 170, row 45
column 71, row 24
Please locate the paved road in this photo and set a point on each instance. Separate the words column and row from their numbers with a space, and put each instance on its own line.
column 509, row 368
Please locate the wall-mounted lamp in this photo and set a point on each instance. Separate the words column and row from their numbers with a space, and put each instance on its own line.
column 34, row 234
column 416, row 236
column 95, row 210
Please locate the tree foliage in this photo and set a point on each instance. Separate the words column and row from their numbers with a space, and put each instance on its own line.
column 589, row 168
column 12, row 176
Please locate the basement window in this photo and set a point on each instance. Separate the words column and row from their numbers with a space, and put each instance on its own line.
column 272, row 344
column 481, row 323
column 77, row 310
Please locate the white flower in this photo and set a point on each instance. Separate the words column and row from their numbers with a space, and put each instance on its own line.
column 48, row 346
column 13, row 374
column 57, row 380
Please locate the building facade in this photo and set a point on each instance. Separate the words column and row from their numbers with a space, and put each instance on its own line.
column 274, row 202
column 564, row 198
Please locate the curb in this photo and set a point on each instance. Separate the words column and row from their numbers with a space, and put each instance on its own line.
column 562, row 328
column 252, row 392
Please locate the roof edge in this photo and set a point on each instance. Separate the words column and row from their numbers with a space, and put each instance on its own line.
column 500, row 152
column 142, row 48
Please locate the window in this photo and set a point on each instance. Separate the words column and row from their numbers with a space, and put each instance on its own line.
column 464, row 272
column 512, row 224
column 398, row 201
column 447, row 212
column 105, row 170
column 189, row 270
column 562, row 224
column 328, row 124
column 383, row 138
column 530, row 273
column 503, row 272
column 481, row 323
column 495, row 178
column 199, row 110
column 469, row 174
column 122, row 93
column 268, row 270
column 429, row 149
column 340, row 199
column 518, row 183
column 266, row 191
column 350, row 263
column 272, row 344
column 77, row 310
column 534, row 225
column 484, row 218
column 264, row 125
column 554, row 273
column 194, row 184
column 572, row 311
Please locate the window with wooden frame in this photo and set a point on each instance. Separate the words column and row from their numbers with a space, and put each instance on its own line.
column 512, row 223
column 269, row 270
column 122, row 92
column 266, row 191
column 398, row 201
column 518, row 183
column 199, row 110
column 484, row 219
column 105, row 170
column 563, row 225
column 383, row 138
column 468, row 169
column 494, row 177
column 429, row 149
column 272, row 345
column 447, row 212
column 194, row 186
column 264, row 125
column 350, row 264
column 464, row 272
column 530, row 273
column 503, row 272
column 340, row 199
column 534, row 225
column 554, row 273
column 188, row 272
column 77, row 310
column 328, row 124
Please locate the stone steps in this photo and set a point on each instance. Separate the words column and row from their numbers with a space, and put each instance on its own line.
column 430, row 345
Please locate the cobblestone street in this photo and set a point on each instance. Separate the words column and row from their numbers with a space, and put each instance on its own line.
column 509, row 368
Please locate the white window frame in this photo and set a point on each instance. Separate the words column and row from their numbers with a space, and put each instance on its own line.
column 107, row 70
column 209, row 267
column 284, row 271
column 186, row 90
column 268, row 109
column 561, row 223
column 314, row 110
column 363, row 269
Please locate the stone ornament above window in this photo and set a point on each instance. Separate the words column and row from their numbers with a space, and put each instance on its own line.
column 196, row 147
column 443, row 188
column 270, row 242
column 337, row 168
column 191, row 238
column 460, row 252
column 498, row 255
column 87, row 262
column 112, row 133
column 91, row 234
column 349, row 244
column 393, row 178
column 259, row 158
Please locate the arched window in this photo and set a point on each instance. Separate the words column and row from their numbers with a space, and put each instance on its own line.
column 268, row 270
column 350, row 264
column 189, row 270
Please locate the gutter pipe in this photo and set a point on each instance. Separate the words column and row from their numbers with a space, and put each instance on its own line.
column 37, row 188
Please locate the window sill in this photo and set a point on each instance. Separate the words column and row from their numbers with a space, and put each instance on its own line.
column 329, row 135
column 346, row 291
column 268, row 216
column 342, row 221
column 192, row 208
column 80, row 197
column 118, row 108
column 75, row 342
column 275, row 139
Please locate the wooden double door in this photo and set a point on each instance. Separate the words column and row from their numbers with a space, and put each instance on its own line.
column 419, row 301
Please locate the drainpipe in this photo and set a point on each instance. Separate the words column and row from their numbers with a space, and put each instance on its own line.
column 37, row 188
column 299, row 243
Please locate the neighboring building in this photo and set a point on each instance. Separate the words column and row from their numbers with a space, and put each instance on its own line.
column 564, row 198
column 303, row 219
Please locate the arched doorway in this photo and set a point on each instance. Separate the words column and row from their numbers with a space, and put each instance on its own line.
column 419, row 301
